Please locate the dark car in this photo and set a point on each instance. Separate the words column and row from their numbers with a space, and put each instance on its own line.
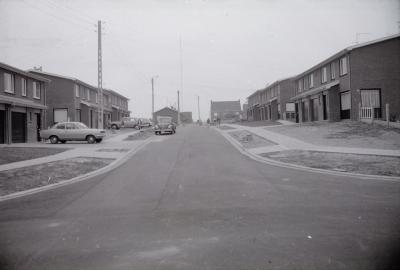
column 164, row 125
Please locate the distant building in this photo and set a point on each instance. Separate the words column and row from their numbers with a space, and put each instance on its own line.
column 22, row 105
column 244, row 111
column 226, row 111
column 186, row 117
column 70, row 99
column 253, row 109
column 167, row 111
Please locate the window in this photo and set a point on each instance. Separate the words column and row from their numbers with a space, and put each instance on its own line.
column 60, row 126
column 97, row 98
column 304, row 83
column 345, row 100
column 311, row 80
column 333, row 71
column 9, row 83
column 343, row 66
column 324, row 75
column 76, row 90
column 70, row 126
column 23, row 87
column 299, row 85
column 370, row 98
column 87, row 94
column 36, row 90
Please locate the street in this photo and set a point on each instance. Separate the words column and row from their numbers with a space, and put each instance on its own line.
column 192, row 201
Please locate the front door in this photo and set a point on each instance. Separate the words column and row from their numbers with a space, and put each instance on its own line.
column 18, row 127
column 345, row 105
column 324, row 108
column 38, row 126
column 296, row 108
column 2, row 126
column 314, row 103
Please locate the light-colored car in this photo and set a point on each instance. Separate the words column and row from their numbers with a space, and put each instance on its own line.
column 126, row 122
column 145, row 122
column 72, row 131
column 164, row 125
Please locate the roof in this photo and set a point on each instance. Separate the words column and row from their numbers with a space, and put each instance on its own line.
column 62, row 77
column 21, row 102
column 169, row 108
column 114, row 93
column 23, row 72
column 345, row 51
column 225, row 106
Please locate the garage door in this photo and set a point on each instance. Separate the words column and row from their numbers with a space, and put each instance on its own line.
column 18, row 123
column 2, row 126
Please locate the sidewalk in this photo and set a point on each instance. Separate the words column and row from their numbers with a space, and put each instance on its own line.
column 288, row 143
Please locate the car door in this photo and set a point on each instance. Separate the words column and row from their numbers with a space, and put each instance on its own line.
column 70, row 131
column 59, row 131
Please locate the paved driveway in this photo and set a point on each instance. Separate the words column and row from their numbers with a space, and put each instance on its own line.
column 192, row 201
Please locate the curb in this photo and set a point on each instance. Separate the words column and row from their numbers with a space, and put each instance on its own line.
column 116, row 163
column 272, row 162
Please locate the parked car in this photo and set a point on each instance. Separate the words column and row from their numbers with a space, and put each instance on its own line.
column 164, row 125
column 126, row 122
column 72, row 131
column 145, row 122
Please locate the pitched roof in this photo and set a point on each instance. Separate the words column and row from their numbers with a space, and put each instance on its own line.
column 345, row 51
column 62, row 77
column 225, row 106
column 23, row 72
column 169, row 108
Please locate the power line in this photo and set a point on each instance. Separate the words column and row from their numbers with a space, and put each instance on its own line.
column 76, row 12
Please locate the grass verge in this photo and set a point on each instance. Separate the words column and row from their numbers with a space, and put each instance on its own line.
column 354, row 163
column 15, row 154
column 25, row 178
column 250, row 140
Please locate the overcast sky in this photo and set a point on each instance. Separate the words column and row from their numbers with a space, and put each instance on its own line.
column 230, row 48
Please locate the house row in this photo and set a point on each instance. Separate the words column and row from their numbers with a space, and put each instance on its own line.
column 225, row 111
column 360, row 81
column 34, row 100
column 184, row 117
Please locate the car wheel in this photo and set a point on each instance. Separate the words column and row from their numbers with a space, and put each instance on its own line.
column 114, row 126
column 91, row 139
column 53, row 139
column 99, row 140
column 63, row 141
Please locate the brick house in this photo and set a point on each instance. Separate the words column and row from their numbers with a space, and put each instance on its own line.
column 253, row 106
column 186, row 117
column 274, row 101
column 22, row 105
column 70, row 99
column 358, row 79
column 226, row 111
column 167, row 111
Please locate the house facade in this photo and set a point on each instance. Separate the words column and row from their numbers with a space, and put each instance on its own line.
column 22, row 105
column 186, row 117
column 253, row 107
column 225, row 111
column 357, row 81
column 70, row 99
column 273, row 102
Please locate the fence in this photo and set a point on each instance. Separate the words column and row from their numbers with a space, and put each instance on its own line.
column 367, row 113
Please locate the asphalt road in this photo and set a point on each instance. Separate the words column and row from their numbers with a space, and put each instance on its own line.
column 192, row 201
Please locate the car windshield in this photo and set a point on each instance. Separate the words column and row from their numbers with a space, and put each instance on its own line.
column 164, row 120
column 81, row 126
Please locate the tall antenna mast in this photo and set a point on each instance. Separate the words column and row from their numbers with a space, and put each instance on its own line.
column 99, row 78
column 181, row 69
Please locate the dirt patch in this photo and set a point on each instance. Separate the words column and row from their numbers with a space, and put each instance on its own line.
column 250, row 140
column 344, row 134
column 15, row 154
column 355, row 163
column 226, row 128
column 48, row 173
column 259, row 123
column 141, row 135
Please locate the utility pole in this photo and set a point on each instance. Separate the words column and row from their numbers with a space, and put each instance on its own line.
column 179, row 111
column 181, row 65
column 99, row 78
column 152, row 99
column 198, row 107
